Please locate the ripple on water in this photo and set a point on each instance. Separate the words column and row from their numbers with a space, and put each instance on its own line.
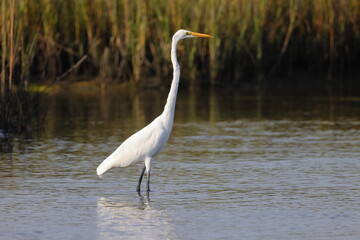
column 256, row 179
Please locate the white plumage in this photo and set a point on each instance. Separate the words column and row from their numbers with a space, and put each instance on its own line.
column 142, row 144
column 146, row 143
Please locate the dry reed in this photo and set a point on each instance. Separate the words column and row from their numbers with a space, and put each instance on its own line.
column 126, row 40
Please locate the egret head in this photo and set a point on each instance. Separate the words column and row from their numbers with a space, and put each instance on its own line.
column 182, row 34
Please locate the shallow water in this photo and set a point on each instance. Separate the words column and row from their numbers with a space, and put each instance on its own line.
column 238, row 165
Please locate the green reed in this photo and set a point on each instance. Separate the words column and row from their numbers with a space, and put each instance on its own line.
column 129, row 41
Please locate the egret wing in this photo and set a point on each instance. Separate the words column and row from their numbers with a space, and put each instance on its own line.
column 146, row 142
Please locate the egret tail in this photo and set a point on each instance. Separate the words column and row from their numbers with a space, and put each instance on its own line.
column 104, row 167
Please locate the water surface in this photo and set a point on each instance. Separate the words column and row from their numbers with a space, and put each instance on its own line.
column 238, row 165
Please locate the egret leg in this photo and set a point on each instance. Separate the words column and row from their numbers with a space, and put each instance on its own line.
column 140, row 179
column 148, row 182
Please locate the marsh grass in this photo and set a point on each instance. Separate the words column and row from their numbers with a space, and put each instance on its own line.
column 126, row 40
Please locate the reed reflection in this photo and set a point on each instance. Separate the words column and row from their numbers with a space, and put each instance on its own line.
column 91, row 111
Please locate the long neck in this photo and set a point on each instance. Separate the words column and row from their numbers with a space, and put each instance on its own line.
column 169, row 108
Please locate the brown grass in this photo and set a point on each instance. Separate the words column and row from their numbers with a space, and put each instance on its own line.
column 125, row 40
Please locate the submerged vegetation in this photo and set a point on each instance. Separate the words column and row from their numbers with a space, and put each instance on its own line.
column 129, row 41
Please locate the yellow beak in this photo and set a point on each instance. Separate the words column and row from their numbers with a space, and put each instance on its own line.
column 200, row 35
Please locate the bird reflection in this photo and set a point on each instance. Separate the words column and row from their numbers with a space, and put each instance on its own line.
column 146, row 199
column 121, row 217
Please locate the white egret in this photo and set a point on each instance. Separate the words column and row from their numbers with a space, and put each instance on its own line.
column 146, row 143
